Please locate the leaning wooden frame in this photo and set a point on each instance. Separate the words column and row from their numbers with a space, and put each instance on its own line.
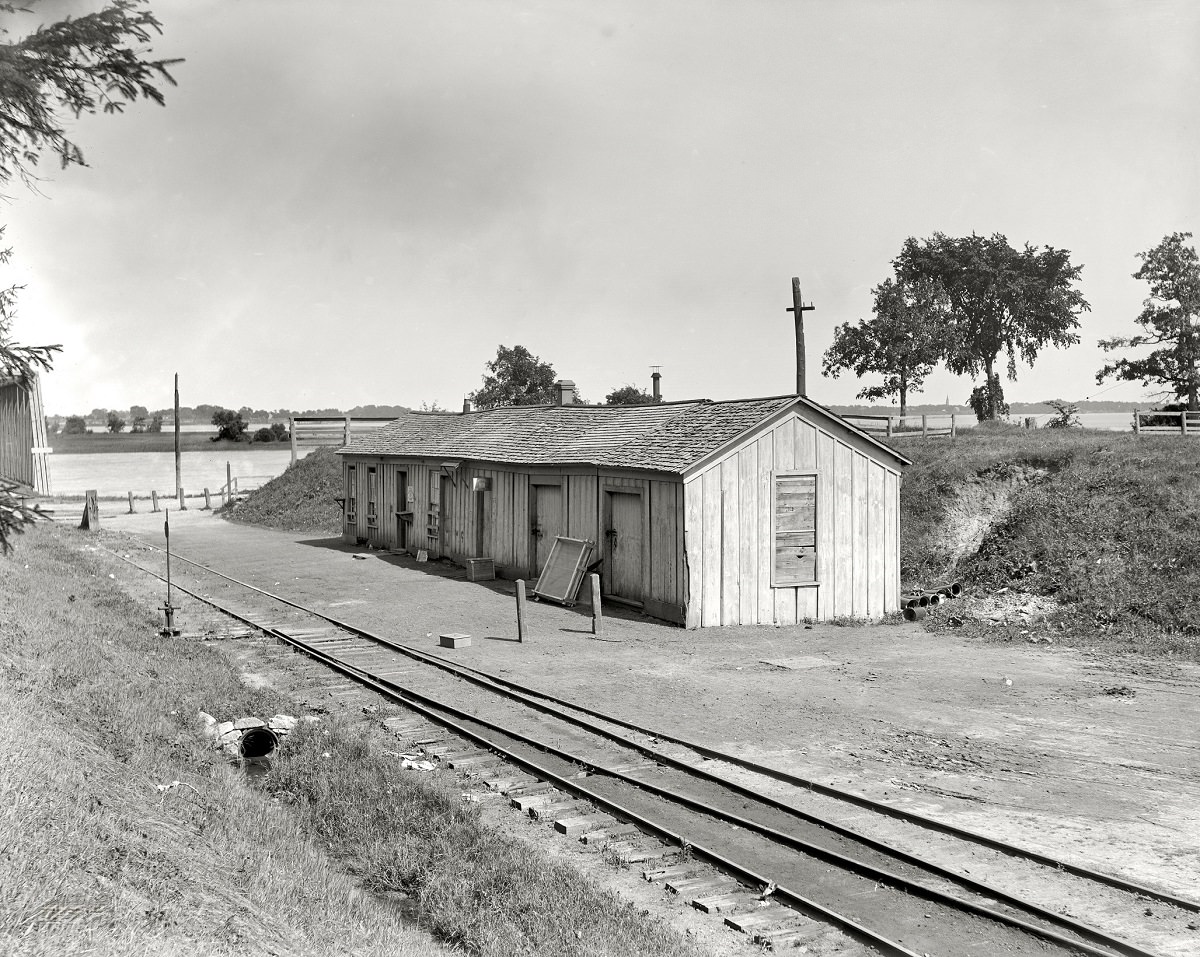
column 564, row 569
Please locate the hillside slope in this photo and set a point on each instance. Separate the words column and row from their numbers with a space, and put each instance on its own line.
column 302, row 499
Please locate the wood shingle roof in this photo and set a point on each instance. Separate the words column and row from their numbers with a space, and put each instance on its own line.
column 668, row 437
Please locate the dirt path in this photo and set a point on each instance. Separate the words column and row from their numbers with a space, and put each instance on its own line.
column 1089, row 757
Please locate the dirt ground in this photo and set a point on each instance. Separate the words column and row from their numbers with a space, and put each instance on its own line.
column 1086, row 756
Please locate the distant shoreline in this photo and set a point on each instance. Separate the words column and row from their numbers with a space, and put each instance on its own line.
column 94, row 442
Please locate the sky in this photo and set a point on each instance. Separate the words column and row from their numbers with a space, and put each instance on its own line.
column 358, row 202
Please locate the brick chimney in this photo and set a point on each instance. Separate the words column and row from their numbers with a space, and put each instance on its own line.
column 565, row 392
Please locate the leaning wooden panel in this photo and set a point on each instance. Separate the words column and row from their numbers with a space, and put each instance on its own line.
column 711, row 607
column 565, row 565
column 877, row 545
column 748, row 534
column 826, row 527
column 843, row 508
column 859, row 548
column 764, row 554
column 693, row 544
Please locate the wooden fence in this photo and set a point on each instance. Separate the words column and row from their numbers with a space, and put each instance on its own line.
column 311, row 431
column 1178, row 423
column 24, row 445
column 923, row 426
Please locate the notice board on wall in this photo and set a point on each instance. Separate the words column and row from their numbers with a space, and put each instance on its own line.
column 564, row 569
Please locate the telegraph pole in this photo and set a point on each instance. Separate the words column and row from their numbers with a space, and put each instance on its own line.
column 799, row 309
column 178, row 471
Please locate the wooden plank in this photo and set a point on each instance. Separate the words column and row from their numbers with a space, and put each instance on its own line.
column 826, row 526
column 785, row 460
column 765, row 456
column 693, row 542
column 748, row 534
column 891, row 546
column 710, row 609
column 877, row 544
column 843, row 545
column 860, row 558
column 681, row 596
column 662, row 541
column 731, row 585
column 806, row 445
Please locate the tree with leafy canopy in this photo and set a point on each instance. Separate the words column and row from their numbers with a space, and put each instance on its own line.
column 1170, row 319
column 230, row 425
column 1000, row 300
column 629, row 395
column 89, row 64
column 114, row 423
column 517, row 377
column 903, row 342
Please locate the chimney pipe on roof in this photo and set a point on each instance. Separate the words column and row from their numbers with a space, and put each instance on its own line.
column 466, row 406
column 655, row 376
column 565, row 391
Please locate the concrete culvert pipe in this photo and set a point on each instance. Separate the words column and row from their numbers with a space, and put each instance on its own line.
column 950, row 590
column 915, row 613
column 934, row 598
column 258, row 743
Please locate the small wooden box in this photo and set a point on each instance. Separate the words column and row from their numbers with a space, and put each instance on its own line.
column 455, row 640
column 481, row 569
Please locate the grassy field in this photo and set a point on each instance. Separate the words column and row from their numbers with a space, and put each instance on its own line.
column 1105, row 524
column 92, row 442
column 125, row 834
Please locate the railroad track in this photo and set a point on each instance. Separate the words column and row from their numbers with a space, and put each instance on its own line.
column 709, row 825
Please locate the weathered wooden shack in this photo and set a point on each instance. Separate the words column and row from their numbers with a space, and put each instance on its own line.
column 756, row 511
column 23, row 442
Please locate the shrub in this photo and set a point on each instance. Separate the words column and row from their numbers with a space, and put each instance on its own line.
column 264, row 435
column 981, row 399
column 280, row 431
column 230, row 425
column 75, row 425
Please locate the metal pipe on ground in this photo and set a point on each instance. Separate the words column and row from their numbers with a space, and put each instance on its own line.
column 258, row 743
column 949, row 590
column 915, row 613
column 914, row 601
column 934, row 598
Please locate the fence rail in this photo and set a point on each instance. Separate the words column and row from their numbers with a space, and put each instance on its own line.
column 925, row 426
column 310, row 431
column 1177, row 423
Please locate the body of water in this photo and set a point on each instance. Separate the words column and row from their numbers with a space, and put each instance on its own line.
column 117, row 473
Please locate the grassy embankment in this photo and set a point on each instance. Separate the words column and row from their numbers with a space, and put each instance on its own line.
column 302, row 499
column 125, row 834
column 93, row 442
column 1105, row 524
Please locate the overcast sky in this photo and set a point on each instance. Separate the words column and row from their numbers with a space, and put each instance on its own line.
column 356, row 201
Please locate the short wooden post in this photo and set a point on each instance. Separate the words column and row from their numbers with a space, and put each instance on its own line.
column 130, row 503
column 520, row 610
column 597, row 611
column 1137, row 422
column 153, row 500
column 207, row 501
column 182, row 504
column 292, row 436
column 924, row 426
column 91, row 511
column 228, row 483
column 1183, row 422
column 953, row 425
column 347, row 432
column 889, row 426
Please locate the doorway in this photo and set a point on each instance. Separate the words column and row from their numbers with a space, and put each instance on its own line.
column 624, row 545
column 545, row 523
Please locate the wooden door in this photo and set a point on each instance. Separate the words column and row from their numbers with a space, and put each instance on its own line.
column 546, row 522
column 374, row 522
column 448, row 517
column 403, row 510
column 625, row 541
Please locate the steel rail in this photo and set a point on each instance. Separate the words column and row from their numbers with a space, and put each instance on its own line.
column 430, row 707
column 921, row 820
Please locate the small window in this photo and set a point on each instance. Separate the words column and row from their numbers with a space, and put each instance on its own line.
column 351, row 499
column 794, row 530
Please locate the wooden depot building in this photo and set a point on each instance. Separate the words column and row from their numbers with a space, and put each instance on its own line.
column 754, row 511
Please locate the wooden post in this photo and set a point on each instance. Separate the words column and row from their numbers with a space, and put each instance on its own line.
column 228, row 483
column 347, row 432
column 799, row 309
column 182, row 506
column 1137, row 423
column 91, row 511
column 207, row 501
column 924, row 426
column 889, row 426
column 292, row 436
column 130, row 503
column 1183, row 422
column 597, row 611
column 520, row 610
column 953, row 425
column 153, row 500
column 178, row 471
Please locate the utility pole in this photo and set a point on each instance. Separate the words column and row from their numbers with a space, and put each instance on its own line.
column 178, row 470
column 799, row 309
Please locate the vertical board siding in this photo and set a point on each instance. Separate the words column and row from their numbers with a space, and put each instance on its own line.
column 693, row 542
column 765, row 455
column 891, row 550
column 806, row 444
column 710, row 612
column 583, row 510
column 859, row 542
column 843, row 537
column 665, row 558
column 746, row 534
column 826, row 527
column 731, row 581
column 877, row 547
column 784, row 436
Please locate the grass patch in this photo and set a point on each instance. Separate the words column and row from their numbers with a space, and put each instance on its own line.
column 1106, row 524
column 302, row 499
column 105, row 853
column 89, row 443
